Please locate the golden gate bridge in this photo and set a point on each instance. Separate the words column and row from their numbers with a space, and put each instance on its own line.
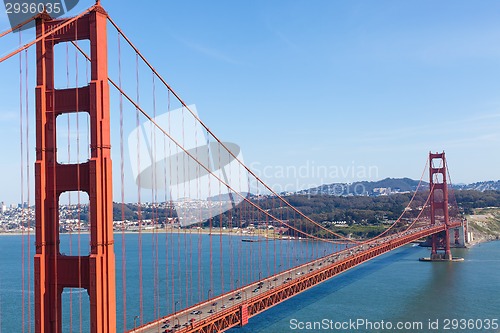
column 88, row 169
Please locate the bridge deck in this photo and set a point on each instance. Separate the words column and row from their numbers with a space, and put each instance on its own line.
column 234, row 308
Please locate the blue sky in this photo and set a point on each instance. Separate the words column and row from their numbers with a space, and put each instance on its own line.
column 343, row 85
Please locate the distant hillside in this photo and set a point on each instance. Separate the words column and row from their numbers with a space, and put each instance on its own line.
column 480, row 186
column 388, row 186
column 361, row 216
column 382, row 187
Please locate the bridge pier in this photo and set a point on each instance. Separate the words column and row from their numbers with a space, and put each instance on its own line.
column 443, row 243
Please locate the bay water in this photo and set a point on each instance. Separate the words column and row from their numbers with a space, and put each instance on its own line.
column 392, row 293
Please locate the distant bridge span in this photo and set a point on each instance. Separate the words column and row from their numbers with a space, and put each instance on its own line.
column 280, row 287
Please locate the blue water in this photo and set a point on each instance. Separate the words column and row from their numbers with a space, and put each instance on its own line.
column 393, row 288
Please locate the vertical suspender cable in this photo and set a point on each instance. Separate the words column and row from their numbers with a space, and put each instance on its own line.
column 181, row 273
column 55, row 200
column 275, row 239
column 122, row 191
column 259, row 247
column 268, row 255
column 89, row 155
column 55, row 210
column 155, row 211
column 69, row 197
column 250, row 264
column 185, row 175
column 169, row 214
column 221, row 262
column 21, row 133
column 279, row 238
column 28, row 184
column 139, row 203
column 200, row 215
column 189, row 261
column 231, row 207
column 210, row 224
column 152, row 207
column 185, row 256
column 238, row 224
column 171, row 245
column 78, row 159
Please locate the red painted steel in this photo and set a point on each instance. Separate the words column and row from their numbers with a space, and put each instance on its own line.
column 244, row 314
column 439, row 206
column 54, row 271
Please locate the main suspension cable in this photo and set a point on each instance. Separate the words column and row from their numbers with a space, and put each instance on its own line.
column 258, row 179
column 46, row 34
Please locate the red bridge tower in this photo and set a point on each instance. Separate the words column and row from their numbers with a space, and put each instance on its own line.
column 54, row 271
column 439, row 206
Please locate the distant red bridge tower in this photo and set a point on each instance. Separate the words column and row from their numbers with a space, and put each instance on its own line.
column 439, row 206
column 54, row 271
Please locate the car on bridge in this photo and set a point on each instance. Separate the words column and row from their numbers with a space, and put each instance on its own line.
column 195, row 312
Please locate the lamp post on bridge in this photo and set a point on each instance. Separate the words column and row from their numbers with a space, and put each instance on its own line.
column 275, row 277
column 208, row 294
column 208, row 297
column 175, row 312
column 135, row 322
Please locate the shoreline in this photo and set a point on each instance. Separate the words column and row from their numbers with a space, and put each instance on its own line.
column 158, row 231
column 482, row 240
column 216, row 232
